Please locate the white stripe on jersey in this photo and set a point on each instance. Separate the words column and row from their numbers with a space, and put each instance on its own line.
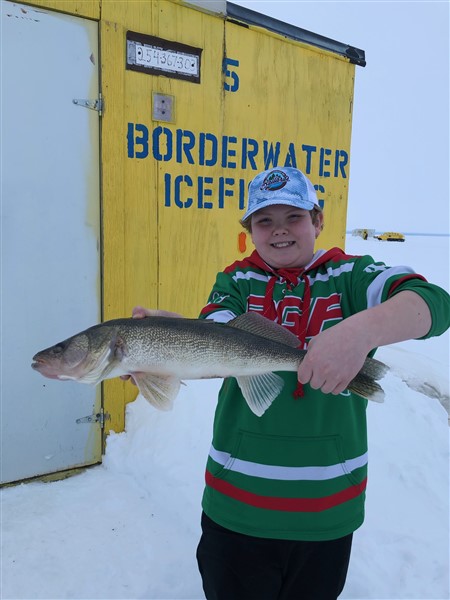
column 332, row 272
column 250, row 275
column 281, row 473
column 375, row 289
column 222, row 316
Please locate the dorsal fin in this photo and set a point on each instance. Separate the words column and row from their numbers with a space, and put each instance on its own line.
column 259, row 325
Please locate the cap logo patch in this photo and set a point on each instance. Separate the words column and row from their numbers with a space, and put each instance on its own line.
column 274, row 181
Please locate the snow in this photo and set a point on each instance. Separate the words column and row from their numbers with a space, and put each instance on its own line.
column 128, row 529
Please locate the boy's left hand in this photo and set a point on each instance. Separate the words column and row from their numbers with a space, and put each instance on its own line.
column 336, row 355
column 333, row 359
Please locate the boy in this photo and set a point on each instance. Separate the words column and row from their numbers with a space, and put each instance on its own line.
column 285, row 491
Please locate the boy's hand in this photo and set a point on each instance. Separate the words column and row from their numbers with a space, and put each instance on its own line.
column 334, row 358
column 139, row 312
column 336, row 355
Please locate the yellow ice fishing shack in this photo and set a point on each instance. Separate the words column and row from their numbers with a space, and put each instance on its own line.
column 131, row 132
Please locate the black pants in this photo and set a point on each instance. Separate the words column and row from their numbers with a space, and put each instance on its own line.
column 241, row 567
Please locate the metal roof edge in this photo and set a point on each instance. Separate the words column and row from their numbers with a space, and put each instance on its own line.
column 251, row 17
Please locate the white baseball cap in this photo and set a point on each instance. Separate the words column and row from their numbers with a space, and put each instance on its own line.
column 284, row 185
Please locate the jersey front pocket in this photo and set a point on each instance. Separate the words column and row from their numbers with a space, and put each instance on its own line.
column 298, row 471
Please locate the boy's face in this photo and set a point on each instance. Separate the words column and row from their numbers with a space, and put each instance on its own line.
column 284, row 236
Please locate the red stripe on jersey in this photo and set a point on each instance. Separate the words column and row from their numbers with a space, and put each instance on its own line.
column 285, row 504
column 209, row 307
column 395, row 285
column 245, row 263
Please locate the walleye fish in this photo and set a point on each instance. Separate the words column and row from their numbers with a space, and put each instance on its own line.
column 160, row 352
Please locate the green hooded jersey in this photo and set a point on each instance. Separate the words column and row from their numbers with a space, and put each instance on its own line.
column 300, row 471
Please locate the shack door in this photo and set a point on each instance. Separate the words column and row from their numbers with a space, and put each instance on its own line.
column 50, row 230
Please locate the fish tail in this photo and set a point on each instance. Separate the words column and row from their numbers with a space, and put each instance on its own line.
column 365, row 384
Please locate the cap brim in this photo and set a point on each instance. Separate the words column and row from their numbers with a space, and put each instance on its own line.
column 271, row 202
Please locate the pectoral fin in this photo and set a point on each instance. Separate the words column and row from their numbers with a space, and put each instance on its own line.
column 160, row 391
column 260, row 391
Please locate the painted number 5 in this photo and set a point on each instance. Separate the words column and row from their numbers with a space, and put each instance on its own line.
column 231, row 83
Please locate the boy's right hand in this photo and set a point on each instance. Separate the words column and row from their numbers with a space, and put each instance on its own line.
column 139, row 312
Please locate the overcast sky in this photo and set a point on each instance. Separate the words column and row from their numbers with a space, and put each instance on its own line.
column 399, row 177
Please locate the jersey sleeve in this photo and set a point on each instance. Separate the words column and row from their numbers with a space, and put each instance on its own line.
column 225, row 301
column 374, row 282
column 437, row 299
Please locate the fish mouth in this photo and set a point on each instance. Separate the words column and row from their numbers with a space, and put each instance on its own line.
column 37, row 363
column 42, row 367
column 281, row 245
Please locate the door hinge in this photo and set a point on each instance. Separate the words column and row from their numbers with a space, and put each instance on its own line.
column 99, row 417
column 92, row 104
